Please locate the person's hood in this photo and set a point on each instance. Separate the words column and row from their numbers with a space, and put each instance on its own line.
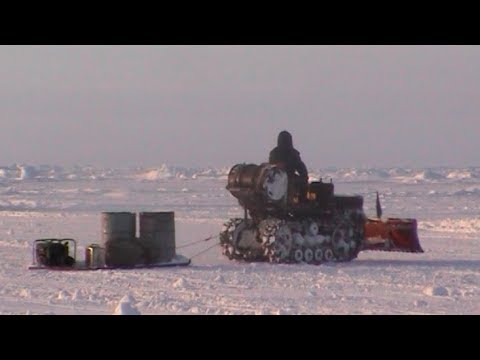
column 285, row 140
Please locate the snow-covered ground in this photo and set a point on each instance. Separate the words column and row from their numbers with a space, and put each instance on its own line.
column 50, row 201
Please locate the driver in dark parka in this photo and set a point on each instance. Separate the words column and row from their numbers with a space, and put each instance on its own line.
column 286, row 156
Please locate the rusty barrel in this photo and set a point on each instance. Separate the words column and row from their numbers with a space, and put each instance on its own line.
column 118, row 239
column 157, row 236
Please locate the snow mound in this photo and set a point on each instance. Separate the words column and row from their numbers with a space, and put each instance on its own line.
column 126, row 307
column 436, row 291
column 398, row 172
column 63, row 295
column 161, row 173
column 77, row 295
column 26, row 172
column 194, row 310
column 180, row 284
column 428, row 174
column 460, row 175
column 365, row 174
column 219, row 279
column 166, row 172
column 25, row 293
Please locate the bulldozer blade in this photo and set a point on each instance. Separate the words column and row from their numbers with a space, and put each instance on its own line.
column 392, row 235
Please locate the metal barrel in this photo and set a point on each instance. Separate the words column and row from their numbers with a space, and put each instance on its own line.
column 118, row 226
column 157, row 236
column 118, row 239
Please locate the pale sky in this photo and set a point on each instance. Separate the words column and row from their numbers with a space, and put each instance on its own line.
column 346, row 106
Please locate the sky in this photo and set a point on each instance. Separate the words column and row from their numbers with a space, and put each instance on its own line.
column 346, row 106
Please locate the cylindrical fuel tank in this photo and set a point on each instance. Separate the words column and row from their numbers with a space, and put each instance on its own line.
column 267, row 181
column 157, row 235
column 118, row 239
column 117, row 226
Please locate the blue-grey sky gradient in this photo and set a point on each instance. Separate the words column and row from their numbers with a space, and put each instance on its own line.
column 346, row 106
